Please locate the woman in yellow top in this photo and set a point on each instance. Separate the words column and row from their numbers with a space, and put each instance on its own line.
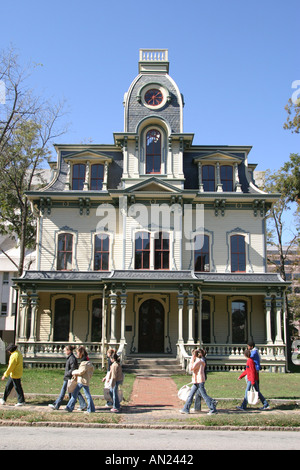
column 14, row 371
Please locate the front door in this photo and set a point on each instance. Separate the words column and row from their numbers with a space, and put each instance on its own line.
column 151, row 327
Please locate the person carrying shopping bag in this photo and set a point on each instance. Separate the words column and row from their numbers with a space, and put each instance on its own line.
column 198, row 379
column 252, row 380
column 84, row 374
column 71, row 365
column 115, row 378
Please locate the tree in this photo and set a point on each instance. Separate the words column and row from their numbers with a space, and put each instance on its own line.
column 27, row 127
column 291, row 181
column 293, row 119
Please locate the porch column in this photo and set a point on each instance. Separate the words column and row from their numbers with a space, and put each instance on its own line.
column 268, row 307
column 180, row 299
column 113, row 312
column 278, row 338
column 191, row 300
column 123, row 314
column 23, row 316
column 34, row 308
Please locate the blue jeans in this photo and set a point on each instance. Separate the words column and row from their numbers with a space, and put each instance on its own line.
column 260, row 396
column 113, row 391
column 61, row 397
column 199, row 390
column 90, row 404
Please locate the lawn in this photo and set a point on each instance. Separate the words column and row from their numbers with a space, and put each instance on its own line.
column 227, row 385
column 46, row 384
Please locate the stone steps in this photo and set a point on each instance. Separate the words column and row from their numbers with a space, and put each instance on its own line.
column 145, row 365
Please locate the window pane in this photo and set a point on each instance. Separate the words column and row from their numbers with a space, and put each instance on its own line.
column 101, row 257
column 64, row 252
column 78, row 176
column 97, row 174
column 161, row 256
column 238, row 253
column 61, row 320
column 153, row 151
column 239, row 322
column 226, row 173
column 205, row 321
column 96, row 320
column 208, row 177
column 142, row 250
column 201, row 253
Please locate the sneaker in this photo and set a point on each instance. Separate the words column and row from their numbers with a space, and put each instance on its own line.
column 115, row 410
column 52, row 406
column 265, row 407
column 68, row 409
column 20, row 404
column 82, row 409
column 184, row 412
column 240, row 408
column 212, row 412
column 2, row 402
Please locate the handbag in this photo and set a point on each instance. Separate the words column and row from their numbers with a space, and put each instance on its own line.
column 184, row 392
column 252, row 396
column 72, row 384
column 107, row 396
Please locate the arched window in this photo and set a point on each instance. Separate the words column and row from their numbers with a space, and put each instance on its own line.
column 162, row 251
column 78, row 176
column 142, row 250
column 96, row 333
column 208, row 178
column 97, row 175
column 61, row 320
column 64, row 251
column 101, row 256
column 153, row 152
column 201, row 253
column 238, row 253
column 239, row 321
column 226, row 173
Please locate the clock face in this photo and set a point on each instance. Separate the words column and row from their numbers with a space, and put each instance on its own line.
column 153, row 97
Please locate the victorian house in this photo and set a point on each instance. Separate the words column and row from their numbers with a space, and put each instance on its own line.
column 153, row 244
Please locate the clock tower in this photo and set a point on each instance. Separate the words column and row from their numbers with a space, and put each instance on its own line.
column 153, row 140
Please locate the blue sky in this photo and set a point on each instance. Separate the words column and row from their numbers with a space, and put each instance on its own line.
column 234, row 62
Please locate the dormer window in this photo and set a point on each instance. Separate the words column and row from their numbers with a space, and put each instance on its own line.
column 208, row 178
column 153, row 152
column 97, row 176
column 78, row 176
column 226, row 174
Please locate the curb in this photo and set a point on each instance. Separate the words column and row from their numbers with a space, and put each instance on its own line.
column 147, row 426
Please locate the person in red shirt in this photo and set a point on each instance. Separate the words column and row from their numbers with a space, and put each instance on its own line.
column 252, row 379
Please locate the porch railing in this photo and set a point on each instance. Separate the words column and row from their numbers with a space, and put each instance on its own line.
column 51, row 354
column 221, row 357
column 231, row 356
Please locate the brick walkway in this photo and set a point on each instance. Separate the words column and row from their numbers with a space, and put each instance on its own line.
column 152, row 399
column 156, row 392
